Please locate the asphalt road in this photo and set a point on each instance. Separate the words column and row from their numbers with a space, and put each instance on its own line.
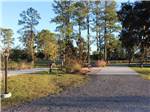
column 26, row 71
column 105, row 92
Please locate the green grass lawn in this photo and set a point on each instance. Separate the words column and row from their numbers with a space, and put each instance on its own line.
column 28, row 87
column 144, row 71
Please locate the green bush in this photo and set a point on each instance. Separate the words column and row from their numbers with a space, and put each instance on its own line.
column 12, row 65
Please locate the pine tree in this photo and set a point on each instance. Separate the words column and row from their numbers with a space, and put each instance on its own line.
column 88, row 8
column 63, row 11
column 110, row 24
column 105, row 24
column 79, row 17
column 98, row 24
column 29, row 19
column 6, row 39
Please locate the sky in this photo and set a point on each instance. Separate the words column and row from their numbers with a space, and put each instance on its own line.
column 10, row 10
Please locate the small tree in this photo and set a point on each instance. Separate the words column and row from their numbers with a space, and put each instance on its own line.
column 6, row 38
column 47, row 44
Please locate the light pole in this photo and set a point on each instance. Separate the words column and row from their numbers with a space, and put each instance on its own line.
column 6, row 93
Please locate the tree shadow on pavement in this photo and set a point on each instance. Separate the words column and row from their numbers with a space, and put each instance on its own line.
column 112, row 102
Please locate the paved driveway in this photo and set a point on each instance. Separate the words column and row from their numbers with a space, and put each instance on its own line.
column 104, row 92
column 114, row 70
column 26, row 71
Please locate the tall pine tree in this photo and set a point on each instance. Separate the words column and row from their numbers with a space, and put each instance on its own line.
column 110, row 24
column 29, row 19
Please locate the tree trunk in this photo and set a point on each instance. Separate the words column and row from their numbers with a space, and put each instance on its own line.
column 143, row 55
column 100, row 45
column 32, row 47
column 79, row 43
column 88, row 37
column 105, row 46
column 105, row 36
column 130, row 55
column 97, row 31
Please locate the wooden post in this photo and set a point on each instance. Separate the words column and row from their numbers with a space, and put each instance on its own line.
column 6, row 67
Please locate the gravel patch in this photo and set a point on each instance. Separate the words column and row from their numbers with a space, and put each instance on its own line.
column 103, row 93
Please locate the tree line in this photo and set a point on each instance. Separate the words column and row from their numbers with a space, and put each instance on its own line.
column 135, row 34
column 74, row 17
column 83, row 23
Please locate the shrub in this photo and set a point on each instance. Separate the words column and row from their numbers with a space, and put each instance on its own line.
column 73, row 67
column 25, row 65
column 19, row 65
column 101, row 63
column 76, row 67
column 12, row 65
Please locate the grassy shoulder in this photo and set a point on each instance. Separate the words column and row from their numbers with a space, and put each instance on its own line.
column 144, row 71
column 28, row 87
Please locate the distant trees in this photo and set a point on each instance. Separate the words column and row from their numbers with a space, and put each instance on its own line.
column 105, row 25
column 79, row 18
column 29, row 19
column 47, row 44
column 75, row 16
column 63, row 11
column 115, row 50
column 17, row 55
column 98, row 25
column 6, row 38
column 88, row 16
column 110, row 24
column 82, row 23
column 134, row 18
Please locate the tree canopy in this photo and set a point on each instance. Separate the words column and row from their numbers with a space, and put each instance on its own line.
column 29, row 19
column 47, row 44
column 135, row 21
column 6, row 38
